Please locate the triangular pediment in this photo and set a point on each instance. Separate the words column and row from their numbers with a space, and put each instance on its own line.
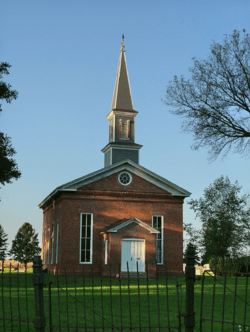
column 113, row 228
column 126, row 165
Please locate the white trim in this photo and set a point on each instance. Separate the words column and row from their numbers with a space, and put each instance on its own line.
column 52, row 245
column 44, row 247
column 48, row 246
column 162, row 235
column 114, row 147
column 113, row 128
column 57, row 239
column 137, row 221
column 134, row 129
column 130, row 178
column 91, row 238
column 130, row 166
column 106, row 252
column 114, row 112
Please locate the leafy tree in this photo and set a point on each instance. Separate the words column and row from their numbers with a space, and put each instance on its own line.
column 220, row 235
column 224, row 217
column 3, row 245
column 5, row 89
column 215, row 102
column 25, row 245
column 8, row 166
column 194, row 235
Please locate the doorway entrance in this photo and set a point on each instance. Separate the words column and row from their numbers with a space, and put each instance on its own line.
column 133, row 251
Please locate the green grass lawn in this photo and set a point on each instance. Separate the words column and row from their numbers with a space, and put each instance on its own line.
column 100, row 303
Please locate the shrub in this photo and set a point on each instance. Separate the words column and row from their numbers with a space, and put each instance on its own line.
column 235, row 265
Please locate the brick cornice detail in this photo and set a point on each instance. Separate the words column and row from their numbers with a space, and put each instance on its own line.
column 143, row 198
column 102, row 195
column 123, row 194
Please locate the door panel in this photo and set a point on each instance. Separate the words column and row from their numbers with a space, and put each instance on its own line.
column 133, row 251
column 126, row 255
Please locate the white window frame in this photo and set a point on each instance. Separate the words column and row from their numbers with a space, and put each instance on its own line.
column 106, row 252
column 52, row 245
column 44, row 247
column 130, row 178
column 48, row 246
column 57, row 238
column 91, row 239
column 162, row 236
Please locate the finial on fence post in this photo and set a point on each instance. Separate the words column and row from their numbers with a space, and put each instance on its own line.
column 38, row 281
column 190, row 279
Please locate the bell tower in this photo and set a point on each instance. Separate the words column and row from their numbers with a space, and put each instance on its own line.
column 121, row 119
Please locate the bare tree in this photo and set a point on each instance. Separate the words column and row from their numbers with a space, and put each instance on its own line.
column 215, row 102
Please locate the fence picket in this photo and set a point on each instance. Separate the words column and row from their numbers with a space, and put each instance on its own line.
column 104, row 289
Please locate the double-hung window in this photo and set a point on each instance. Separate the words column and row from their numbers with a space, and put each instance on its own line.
column 48, row 250
column 57, row 239
column 44, row 247
column 86, row 238
column 157, row 223
column 52, row 245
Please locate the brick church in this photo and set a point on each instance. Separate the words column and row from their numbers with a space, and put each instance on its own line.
column 122, row 214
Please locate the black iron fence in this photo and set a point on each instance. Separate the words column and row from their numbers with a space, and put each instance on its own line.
column 229, row 303
column 216, row 301
column 133, row 302
column 16, row 311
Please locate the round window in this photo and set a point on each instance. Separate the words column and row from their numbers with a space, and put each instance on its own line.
column 125, row 178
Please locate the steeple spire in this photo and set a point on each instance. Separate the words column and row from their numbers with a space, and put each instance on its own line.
column 121, row 119
column 122, row 98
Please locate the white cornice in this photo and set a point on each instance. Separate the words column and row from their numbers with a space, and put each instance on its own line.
column 128, row 165
column 121, row 145
column 130, row 221
column 113, row 113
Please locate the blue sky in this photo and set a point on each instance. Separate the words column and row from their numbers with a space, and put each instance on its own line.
column 64, row 57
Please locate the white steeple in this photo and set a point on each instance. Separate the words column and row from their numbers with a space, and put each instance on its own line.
column 122, row 98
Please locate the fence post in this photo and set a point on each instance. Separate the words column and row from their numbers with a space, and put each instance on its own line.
column 38, row 281
column 190, row 279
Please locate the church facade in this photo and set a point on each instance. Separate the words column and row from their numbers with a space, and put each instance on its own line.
column 122, row 215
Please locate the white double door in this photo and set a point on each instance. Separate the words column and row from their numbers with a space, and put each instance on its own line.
column 133, row 251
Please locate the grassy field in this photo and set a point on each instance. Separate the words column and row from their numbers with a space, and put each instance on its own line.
column 100, row 303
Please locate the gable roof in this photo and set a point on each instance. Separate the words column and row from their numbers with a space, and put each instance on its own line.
column 113, row 228
column 127, row 165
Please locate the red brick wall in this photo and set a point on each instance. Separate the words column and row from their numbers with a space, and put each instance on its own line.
column 134, row 231
column 107, row 208
column 138, row 184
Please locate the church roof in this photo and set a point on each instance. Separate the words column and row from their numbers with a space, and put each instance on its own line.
column 128, row 165
column 122, row 98
column 113, row 228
